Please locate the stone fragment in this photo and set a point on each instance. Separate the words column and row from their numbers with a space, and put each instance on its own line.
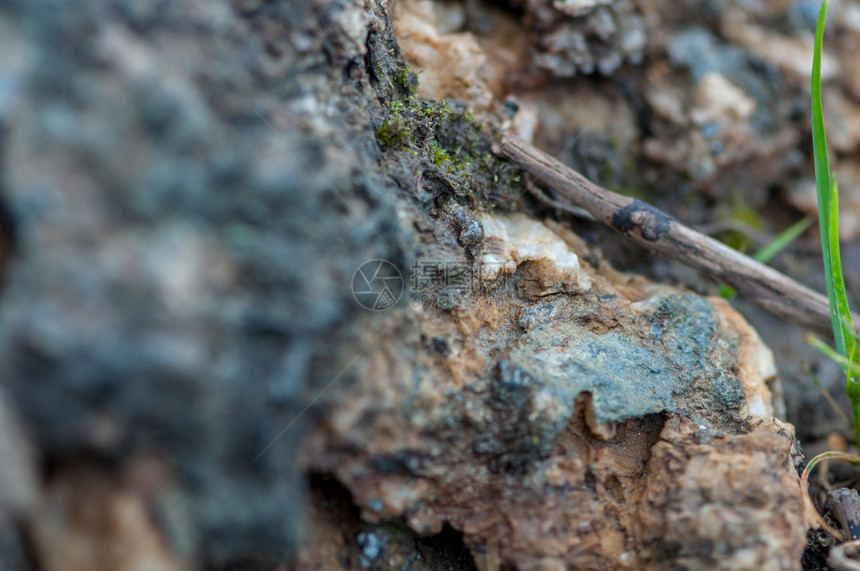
column 708, row 497
column 717, row 100
column 624, row 426
column 452, row 65
column 584, row 37
column 515, row 239
column 712, row 125
column 841, row 121
column 792, row 55
column 578, row 7
column 86, row 520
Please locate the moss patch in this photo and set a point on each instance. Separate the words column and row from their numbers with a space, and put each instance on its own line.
column 393, row 133
column 425, row 138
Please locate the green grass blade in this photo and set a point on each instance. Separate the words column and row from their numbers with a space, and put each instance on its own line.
column 782, row 240
column 846, row 323
column 823, row 183
column 727, row 292
column 851, row 335
column 851, row 367
column 844, row 335
column 773, row 248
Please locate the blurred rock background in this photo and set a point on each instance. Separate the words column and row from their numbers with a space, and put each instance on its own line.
column 187, row 190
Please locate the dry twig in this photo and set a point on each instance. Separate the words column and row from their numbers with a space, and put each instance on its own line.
column 663, row 234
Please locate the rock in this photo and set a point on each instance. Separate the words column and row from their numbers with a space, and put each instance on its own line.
column 791, row 55
column 578, row 7
column 584, row 37
column 851, row 58
column 573, row 429
column 717, row 101
column 515, row 240
column 187, row 193
column 88, row 521
column 719, row 113
column 716, row 121
column 842, row 121
column 169, row 171
column 591, row 131
column 452, row 65
column 742, row 495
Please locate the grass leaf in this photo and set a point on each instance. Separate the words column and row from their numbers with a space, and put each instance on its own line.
column 844, row 335
column 844, row 362
column 846, row 324
column 782, row 240
column 772, row 248
column 824, row 183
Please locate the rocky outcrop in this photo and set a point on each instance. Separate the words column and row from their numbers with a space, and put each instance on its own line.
column 599, row 423
column 268, row 300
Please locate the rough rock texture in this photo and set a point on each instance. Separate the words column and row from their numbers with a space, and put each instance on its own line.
column 710, row 496
column 712, row 126
column 584, row 36
column 188, row 193
column 577, row 429
column 453, row 65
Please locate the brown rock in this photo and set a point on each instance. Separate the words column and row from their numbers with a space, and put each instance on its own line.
column 621, row 425
column 720, row 502
column 452, row 65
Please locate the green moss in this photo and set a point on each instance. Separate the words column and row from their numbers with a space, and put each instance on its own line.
column 446, row 137
column 439, row 156
column 411, row 123
column 396, row 106
column 406, row 79
column 429, row 110
column 393, row 134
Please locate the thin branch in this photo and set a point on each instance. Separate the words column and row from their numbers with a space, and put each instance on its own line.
column 661, row 233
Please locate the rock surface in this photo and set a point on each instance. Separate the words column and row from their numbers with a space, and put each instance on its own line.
column 192, row 376
column 574, row 37
column 625, row 426
column 169, row 170
column 677, row 131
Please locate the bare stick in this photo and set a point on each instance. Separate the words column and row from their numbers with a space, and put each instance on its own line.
column 663, row 234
